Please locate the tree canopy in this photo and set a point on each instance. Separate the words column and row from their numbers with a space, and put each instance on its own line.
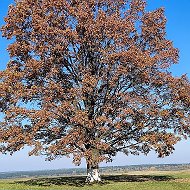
column 90, row 78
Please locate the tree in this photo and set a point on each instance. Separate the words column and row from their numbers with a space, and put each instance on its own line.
column 90, row 78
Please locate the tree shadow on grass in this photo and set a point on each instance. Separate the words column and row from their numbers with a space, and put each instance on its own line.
column 79, row 181
column 137, row 178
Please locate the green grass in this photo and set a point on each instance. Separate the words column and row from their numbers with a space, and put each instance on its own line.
column 152, row 180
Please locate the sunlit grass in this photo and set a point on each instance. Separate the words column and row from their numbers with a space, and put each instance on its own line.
column 148, row 180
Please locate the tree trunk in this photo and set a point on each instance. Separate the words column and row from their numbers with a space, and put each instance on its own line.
column 93, row 174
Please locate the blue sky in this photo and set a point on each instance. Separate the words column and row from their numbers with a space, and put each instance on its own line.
column 178, row 30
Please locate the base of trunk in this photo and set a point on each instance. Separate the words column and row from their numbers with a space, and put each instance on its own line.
column 93, row 175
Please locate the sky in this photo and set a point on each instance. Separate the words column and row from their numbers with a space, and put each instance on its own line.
column 178, row 30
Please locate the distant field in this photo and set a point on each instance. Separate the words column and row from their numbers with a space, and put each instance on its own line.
column 137, row 180
column 103, row 170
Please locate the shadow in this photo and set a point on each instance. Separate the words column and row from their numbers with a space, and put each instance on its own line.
column 136, row 178
column 79, row 181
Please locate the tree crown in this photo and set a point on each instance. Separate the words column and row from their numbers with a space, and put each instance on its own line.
column 90, row 78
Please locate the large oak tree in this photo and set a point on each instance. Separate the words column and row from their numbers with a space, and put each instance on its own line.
column 90, row 78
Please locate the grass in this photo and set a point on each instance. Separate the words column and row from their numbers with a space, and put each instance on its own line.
column 147, row 180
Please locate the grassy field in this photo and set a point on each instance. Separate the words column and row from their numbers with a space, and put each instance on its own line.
column 142, row 180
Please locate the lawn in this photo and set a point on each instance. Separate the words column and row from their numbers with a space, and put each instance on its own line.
column 148, row 180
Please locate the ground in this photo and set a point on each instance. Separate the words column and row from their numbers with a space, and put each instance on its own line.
column 138, row 180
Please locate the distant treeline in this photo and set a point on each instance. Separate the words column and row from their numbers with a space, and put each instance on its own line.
column 158, row 167
column 103, row 170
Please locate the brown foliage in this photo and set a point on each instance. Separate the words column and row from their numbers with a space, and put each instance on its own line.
column 90, row 78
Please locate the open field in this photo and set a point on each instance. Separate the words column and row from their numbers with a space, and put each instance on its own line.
column 137, row 180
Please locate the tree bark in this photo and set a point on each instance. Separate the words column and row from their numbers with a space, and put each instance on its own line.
column 93, row 174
